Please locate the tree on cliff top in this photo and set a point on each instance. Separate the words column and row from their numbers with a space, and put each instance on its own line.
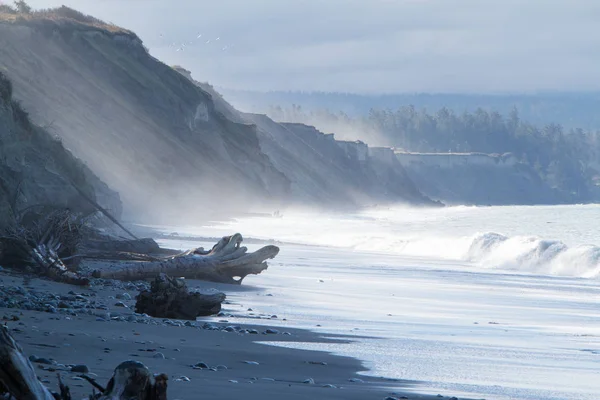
column 22, row 7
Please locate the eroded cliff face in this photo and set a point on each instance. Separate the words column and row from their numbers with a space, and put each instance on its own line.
column 37, row 171
column 145, row 129
column 324, row 171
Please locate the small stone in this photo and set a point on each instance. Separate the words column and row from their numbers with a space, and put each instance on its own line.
column 273, row 316
column 329, row 386
column 233, row 381
column 82, row 369
column 309, row 381
column 120, row 304
column 159, row 355
column 267, row 379
column 183, row 379
column 271, row 331
column 123, row 296
column 221, row 367
column 356, row 380
column 200, row 365
column 44, row 361
column 251, row 362
column 229, row 329
column 253, row 331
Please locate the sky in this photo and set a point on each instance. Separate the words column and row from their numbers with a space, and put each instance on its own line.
column 369, row 46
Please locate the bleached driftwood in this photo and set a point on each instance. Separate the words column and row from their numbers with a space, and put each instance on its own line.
column 226, row 262
column 130, row 380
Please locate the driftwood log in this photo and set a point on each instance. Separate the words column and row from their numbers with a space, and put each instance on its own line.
column 131, row 380
column 170, row 298
column 16, row 372
column 226, row 262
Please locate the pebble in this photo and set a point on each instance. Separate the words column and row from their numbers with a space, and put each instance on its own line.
column 251, row 362
column 200, row 365
column 159, row 355
column 123, row 296
column 253, row 331
column 330, row 386
column 356, row 380
column 267, row 379
column 309, row 381
column 233, row 381
column 221, row 367
column 83, row 369
column 183, row 379
column 271, row 331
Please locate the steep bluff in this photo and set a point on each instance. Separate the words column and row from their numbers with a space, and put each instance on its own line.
column 37, row 171
column 322, row 170
column 141, row 126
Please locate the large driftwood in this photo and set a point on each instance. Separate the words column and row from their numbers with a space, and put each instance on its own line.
column 226, row 262
column 170, row 298
column 16, row 372
column 131, row 380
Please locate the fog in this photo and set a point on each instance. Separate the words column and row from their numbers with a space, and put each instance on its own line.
column 369, row 46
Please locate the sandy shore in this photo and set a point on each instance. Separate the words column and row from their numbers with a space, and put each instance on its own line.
column 242, row 368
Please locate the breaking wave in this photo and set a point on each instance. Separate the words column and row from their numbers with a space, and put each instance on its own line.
column 535, row 255
column 526, row 254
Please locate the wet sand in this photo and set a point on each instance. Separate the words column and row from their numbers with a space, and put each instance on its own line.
column 101, row 344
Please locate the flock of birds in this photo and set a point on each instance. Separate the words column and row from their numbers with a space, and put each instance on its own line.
column 199, row 39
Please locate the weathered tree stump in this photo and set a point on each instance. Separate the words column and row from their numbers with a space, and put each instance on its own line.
column 170, row 298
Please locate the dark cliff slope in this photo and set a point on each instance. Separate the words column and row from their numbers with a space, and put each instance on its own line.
column 323, row 171
column 145, row 129
column 37, row 171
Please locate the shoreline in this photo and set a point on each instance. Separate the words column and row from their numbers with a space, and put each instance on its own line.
column 172, row 347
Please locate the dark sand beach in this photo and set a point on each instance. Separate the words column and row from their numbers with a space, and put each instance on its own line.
column 104, row 333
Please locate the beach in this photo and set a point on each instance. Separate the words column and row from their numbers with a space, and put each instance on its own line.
column 239, row 365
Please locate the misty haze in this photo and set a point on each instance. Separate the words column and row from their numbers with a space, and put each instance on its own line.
column 340, row 199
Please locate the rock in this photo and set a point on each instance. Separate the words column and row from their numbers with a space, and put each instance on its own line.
column 253, row 331
column 200, row 365
column 159, row 355
column 267, row 379
column 271, row 331
column 233, row 381
column 120, row 304
column 330, row 386
column 309, row 381
column 123, row 296
column 80, row 368
column 44, row 361
column 251, row 362
column 183, row 379
column 221, row 367
column 356, row 380
column 229, row 329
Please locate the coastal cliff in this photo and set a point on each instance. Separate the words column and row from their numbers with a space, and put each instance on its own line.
column 37, row 171
column 324, row 171
column 141, row 126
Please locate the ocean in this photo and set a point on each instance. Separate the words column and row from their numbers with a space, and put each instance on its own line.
column 478, row 302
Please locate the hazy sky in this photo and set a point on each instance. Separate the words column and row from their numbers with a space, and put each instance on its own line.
column 369, row 45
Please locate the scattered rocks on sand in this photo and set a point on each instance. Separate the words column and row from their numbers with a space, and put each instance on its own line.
column 80, row 368
column 200, row 365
